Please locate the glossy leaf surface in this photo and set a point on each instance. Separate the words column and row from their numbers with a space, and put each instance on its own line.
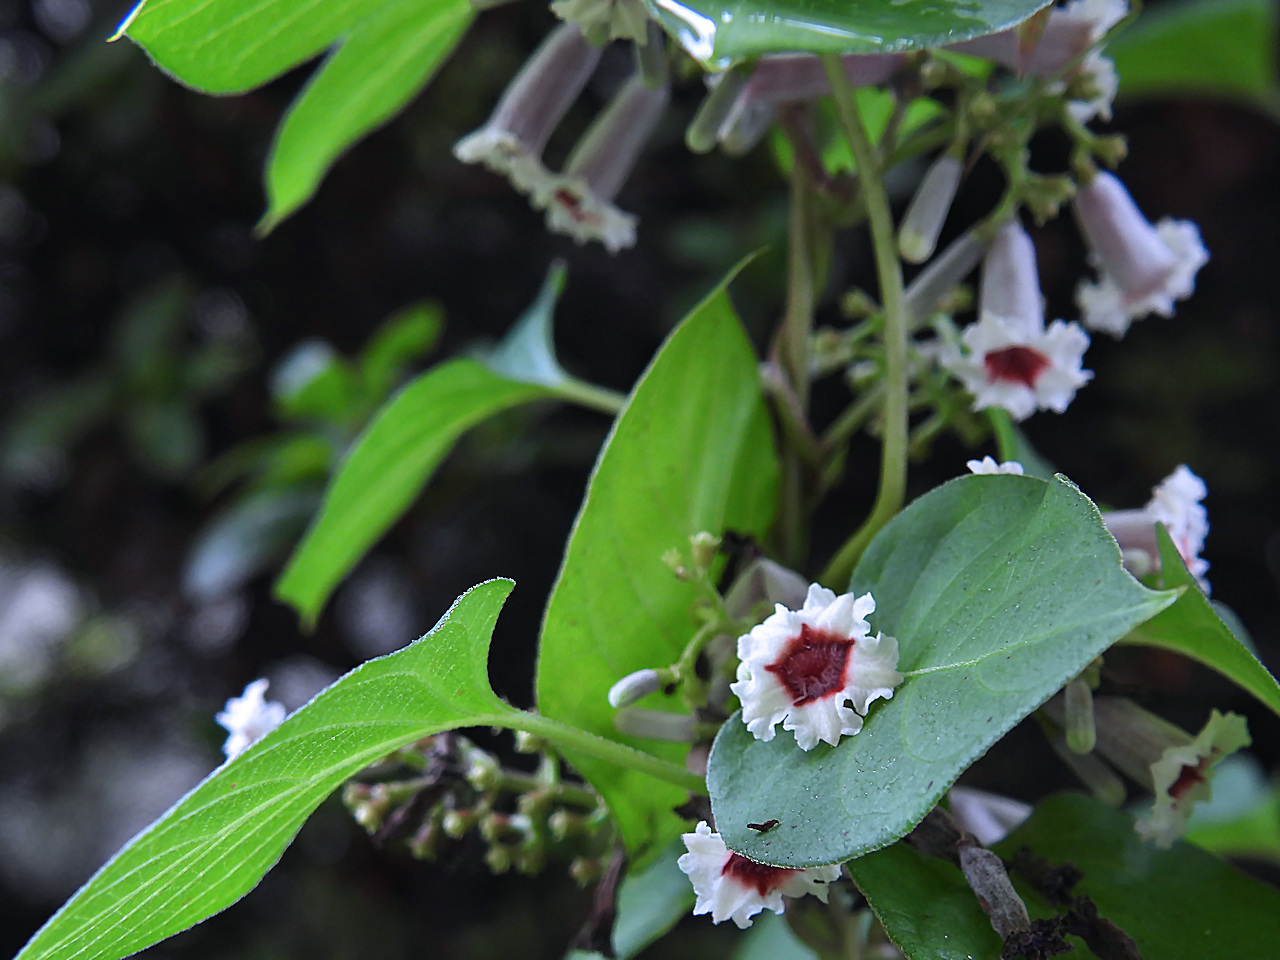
column 215, row 844
column 1192, row 628
column 387, row 468
column 719, row 32
column 999, row 589
column 691, row 451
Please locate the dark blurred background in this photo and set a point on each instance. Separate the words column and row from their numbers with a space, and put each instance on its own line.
column 141, row 320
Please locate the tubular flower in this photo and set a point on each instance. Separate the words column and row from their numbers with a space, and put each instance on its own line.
column 249, row 717
column 816, row 669
column 580, row 201
column 1070, row 31
column 1143, row 268
column 1012, row 360
column 1181, row 776
column 534, row 103
column 1175, row 502
column 729, row 886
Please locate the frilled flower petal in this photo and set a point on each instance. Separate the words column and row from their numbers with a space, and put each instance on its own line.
column 1017, row 372
column 1143, row 268
column 988, row 465
column 1175, row 502
column 1100, row 71
column 815, row 670
column 731, row 887
column 249, row 717
column 605, row 20
column 1181, row 776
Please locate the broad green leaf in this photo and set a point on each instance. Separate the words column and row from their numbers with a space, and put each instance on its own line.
column 368, row 79
column 215, row 844
column 387, row 468
column 719, row 32
column 1192, row 628
column 924, row 905
column 692, row 451
column 1207, row 48
column 1177, row 904
column 999, row 589
column 528, row 352
column 405, row 336
column 230, row 46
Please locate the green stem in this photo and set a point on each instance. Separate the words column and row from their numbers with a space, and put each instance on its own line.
column 849, row 422
column 893, row 461
column 590, row 396
column 572, row 738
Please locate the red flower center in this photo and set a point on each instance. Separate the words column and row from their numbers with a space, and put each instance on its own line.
column 572, row 205
column 1016, row 364
column 751, row 874
column 812, row 665
column 1189, row 778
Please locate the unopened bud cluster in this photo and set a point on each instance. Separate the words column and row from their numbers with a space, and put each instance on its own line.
column 461, row 796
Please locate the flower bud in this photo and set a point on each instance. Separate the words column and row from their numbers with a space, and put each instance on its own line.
column 456, row 823
column 722, row 97
column 579, row 202
column 764, row 582
column 922, row 223
column 1143, row 268
column 530, row 109
column 1077, row 702
column 635, row 687
column 941, row 276
column 988, row 816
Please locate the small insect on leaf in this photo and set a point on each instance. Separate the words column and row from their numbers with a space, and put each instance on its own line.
column 763, row 827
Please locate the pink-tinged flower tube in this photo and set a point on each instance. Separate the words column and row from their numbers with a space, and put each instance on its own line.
column 1175, row 502
column 730, row 887
column 815, row 670
column 1143, row 268
column 530, row 109
column 1180, row 777
column 988, row 466
column 579, row 202
column 248, row 718
column 1012, row 359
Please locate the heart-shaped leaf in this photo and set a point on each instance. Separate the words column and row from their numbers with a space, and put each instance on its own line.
column 999, row 589
column 719, row 32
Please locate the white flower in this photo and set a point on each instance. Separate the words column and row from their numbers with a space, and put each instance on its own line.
column 1181, row 776
column 1175, row 502
column 249, row 717
column 729, row 886
column 988, row 465
column 1143, row 268
column 1020, row 372
column 1101, row 73
column 988, row 816
column 580, row 201
column 531, row 107
column 816, row 670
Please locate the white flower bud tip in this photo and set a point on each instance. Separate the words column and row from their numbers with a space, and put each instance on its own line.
column 248, row 718
column 922, row 223
column 988, row 465
column 634, row 687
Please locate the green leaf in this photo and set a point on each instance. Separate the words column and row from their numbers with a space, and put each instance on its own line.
column 999, row 589
column 387, row 468
column 383, row 63
column 924, row 905
column 719, row 32
column 1205, row 48
column 528, row 352
column 1177, row 904
column 313, row 382
column 215, row 844
column 770, row 938
column 1192, row 627
column 404, row 337
column 692, row 451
